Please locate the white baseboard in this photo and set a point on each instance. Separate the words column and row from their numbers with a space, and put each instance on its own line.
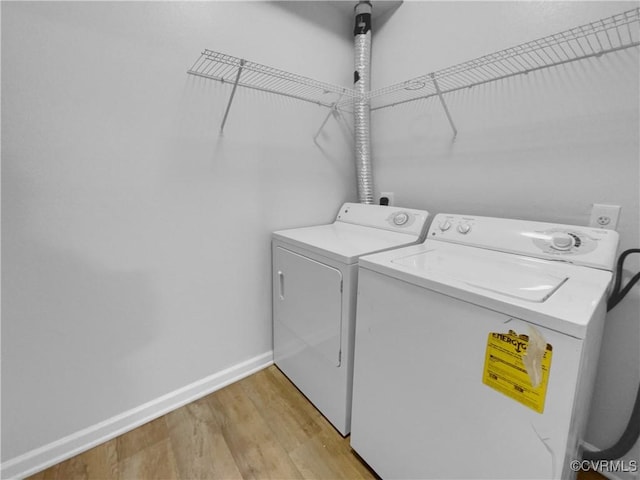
column 66, row 447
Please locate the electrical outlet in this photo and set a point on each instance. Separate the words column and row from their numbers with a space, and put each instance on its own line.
column 386, row 198
column 604, row 216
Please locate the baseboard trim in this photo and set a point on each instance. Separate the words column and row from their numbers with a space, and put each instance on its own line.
column 85, row 439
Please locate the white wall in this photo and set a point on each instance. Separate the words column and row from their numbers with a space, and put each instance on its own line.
column 543, row 146
column 135, row 239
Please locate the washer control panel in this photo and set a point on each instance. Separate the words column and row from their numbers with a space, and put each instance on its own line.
column 398, row 219
column 580, row 245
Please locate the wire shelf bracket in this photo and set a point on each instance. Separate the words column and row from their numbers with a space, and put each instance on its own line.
column 444, row 105
column 339, row 118
column 332, row 113
column 233, row 92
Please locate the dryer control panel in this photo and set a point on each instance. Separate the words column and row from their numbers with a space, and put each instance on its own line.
column 592, row 247
column 397, row 219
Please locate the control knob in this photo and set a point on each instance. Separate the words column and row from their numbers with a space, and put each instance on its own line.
column 444, row 225
column 400, row 219
column 464, row 228
column 562, row 241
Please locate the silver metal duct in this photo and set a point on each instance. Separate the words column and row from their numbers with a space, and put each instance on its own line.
column 362, row 110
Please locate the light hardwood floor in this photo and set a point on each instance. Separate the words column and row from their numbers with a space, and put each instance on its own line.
column 260, row 427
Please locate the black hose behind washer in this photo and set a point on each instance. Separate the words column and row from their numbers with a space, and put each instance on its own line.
column 617, row 294
column 632, row 432
column 626, row 441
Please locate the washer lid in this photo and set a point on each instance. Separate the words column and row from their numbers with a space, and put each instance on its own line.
column 553, row 294
column 343, row 242
column 513, row 276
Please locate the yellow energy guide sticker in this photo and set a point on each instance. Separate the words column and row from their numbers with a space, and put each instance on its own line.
column 518, row 366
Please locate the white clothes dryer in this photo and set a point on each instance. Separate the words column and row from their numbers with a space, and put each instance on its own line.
column 476, row 351
column 315, row 274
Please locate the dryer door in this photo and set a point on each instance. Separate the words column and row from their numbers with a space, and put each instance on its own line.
column 307, row 305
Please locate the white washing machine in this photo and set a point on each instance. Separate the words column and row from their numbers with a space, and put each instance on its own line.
column 315, row 273
column 476, row 351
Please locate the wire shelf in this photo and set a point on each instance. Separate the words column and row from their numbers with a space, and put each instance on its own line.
column 591, row 40
column 594, row 39
column 243, row 73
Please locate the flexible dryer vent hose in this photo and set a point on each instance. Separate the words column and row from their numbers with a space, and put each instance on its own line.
column 362, row 111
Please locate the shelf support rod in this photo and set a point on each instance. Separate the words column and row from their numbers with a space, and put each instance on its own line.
column 346, row 124
column 233, row 92
column 444, row 105
column 332, row 111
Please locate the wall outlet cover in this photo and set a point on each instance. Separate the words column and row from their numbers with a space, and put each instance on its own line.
column 604, row 216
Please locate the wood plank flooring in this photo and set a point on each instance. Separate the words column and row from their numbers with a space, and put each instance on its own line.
column 261, row 427
column 258, row 428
